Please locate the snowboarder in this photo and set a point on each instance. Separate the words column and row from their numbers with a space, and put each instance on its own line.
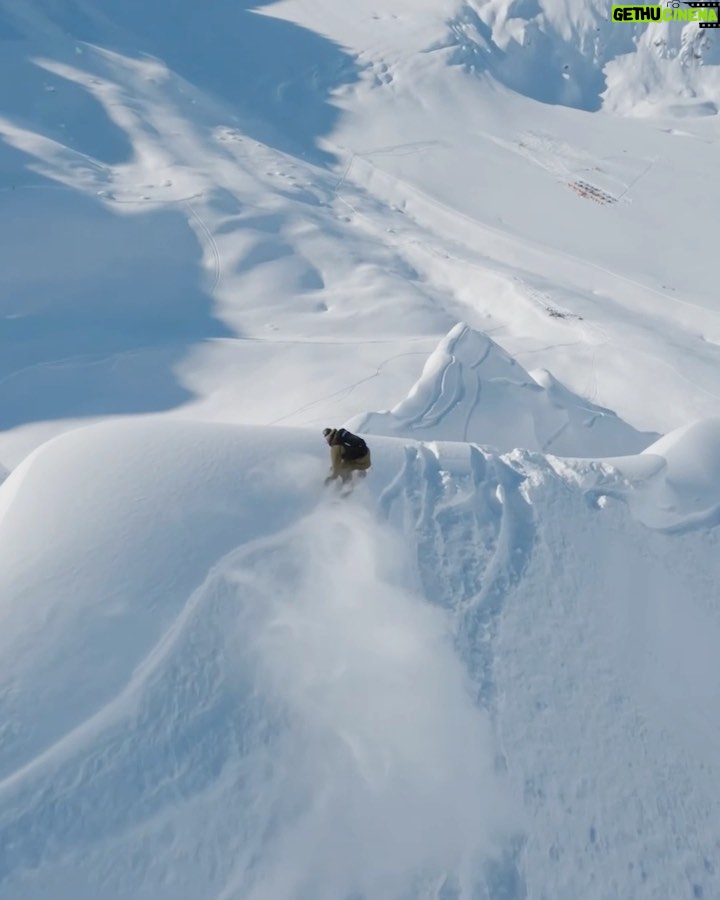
column 348, row 453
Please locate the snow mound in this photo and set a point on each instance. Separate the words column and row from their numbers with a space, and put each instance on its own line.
column 673, row 485
column 686, row 491
column 575, row 55
column 108, row 587
column 471, row 390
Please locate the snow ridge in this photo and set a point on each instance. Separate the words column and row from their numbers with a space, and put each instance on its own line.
column 471, row 390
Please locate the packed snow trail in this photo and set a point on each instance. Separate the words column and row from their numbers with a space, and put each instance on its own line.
column 477, row 676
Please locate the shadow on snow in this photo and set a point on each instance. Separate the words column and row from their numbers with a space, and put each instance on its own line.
column 97, row 309
column 274, row 75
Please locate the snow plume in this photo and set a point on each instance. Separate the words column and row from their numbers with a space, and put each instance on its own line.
column 379, row 773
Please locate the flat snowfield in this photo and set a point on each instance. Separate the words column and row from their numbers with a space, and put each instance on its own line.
column 482, row 233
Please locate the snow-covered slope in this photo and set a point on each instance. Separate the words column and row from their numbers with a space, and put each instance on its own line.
column 576, row 55
column 491, row 672
column 164, row 168
column 244, row 696
column 219, row 683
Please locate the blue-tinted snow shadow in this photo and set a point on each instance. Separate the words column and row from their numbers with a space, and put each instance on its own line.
column 96, row 308
column 44, row 103
column 274, row 75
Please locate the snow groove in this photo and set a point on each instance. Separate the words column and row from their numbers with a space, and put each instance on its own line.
column 474, row 532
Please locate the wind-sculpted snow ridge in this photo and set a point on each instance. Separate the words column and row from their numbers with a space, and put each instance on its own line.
column 471, row 390
column 576, row 55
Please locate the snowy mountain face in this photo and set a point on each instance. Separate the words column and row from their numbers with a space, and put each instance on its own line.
column 479, row 232
column 575, row 55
